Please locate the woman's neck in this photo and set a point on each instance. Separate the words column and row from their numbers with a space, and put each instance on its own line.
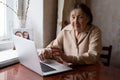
column 81, row 29
column 77, row 35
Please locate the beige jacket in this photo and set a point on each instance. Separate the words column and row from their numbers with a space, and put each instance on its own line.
column 86, row 51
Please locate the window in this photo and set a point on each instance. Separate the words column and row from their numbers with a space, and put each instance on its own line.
column 8, row 21
column 8, row 18
column 34, row 20
column 3, row 29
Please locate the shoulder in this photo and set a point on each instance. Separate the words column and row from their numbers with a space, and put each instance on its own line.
column 67, row 28
column 95, row 29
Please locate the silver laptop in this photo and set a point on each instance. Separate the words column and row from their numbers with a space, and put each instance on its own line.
column 28, row 57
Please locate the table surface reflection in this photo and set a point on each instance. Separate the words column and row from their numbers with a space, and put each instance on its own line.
column 91, row 72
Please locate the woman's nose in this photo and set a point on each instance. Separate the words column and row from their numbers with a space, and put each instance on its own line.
column 76, row 19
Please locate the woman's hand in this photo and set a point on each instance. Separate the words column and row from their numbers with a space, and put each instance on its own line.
column 56, row 51
column 52, row 53
column 58, row 54
column 45, row 54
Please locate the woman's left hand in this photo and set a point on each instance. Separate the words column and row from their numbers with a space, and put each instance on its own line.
column 56, row 51
column 57, row 54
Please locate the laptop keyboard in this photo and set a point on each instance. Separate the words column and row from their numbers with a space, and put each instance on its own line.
column 46, row 68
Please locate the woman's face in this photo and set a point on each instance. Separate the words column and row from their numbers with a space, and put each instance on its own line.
column 78, row 19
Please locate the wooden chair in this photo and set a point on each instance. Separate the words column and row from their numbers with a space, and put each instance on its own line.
column 106, row 55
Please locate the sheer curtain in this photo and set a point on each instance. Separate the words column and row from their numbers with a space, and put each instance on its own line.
column 10, row 22
column 63, row 12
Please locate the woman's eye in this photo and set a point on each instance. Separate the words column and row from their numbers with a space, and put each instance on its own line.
column 73, row 17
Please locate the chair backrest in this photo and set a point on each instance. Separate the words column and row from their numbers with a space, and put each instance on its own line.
column 106, row 55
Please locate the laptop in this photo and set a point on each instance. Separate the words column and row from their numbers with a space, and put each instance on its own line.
column 27, row 54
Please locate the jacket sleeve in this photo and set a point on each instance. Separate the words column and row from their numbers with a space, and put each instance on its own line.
column 58, row 41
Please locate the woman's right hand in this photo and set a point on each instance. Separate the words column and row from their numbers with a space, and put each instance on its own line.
column 49, row 53
column 45, row 54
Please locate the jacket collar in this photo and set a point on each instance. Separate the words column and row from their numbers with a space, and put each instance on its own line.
column 70, row 28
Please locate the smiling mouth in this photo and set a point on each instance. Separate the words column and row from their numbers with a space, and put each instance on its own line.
column 77, row 25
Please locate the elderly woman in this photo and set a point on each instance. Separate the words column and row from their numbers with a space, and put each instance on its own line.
column 77, row 43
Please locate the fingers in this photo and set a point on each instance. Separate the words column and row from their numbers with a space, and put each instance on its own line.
column 56, row 54
column 49, row 53
column 60, row 60
column 44, row 54
column 56, row 51
column 41, row 55
column 54, row 47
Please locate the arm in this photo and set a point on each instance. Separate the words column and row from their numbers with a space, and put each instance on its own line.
column 54, row 45
column 58, row 42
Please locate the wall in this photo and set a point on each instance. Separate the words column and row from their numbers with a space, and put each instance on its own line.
column 107, row 16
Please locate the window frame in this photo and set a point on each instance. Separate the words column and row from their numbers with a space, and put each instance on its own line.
column 3, row 21
column 7, row 55
column 10, row 24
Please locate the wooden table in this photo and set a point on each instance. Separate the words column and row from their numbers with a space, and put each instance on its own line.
column 92, row 72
